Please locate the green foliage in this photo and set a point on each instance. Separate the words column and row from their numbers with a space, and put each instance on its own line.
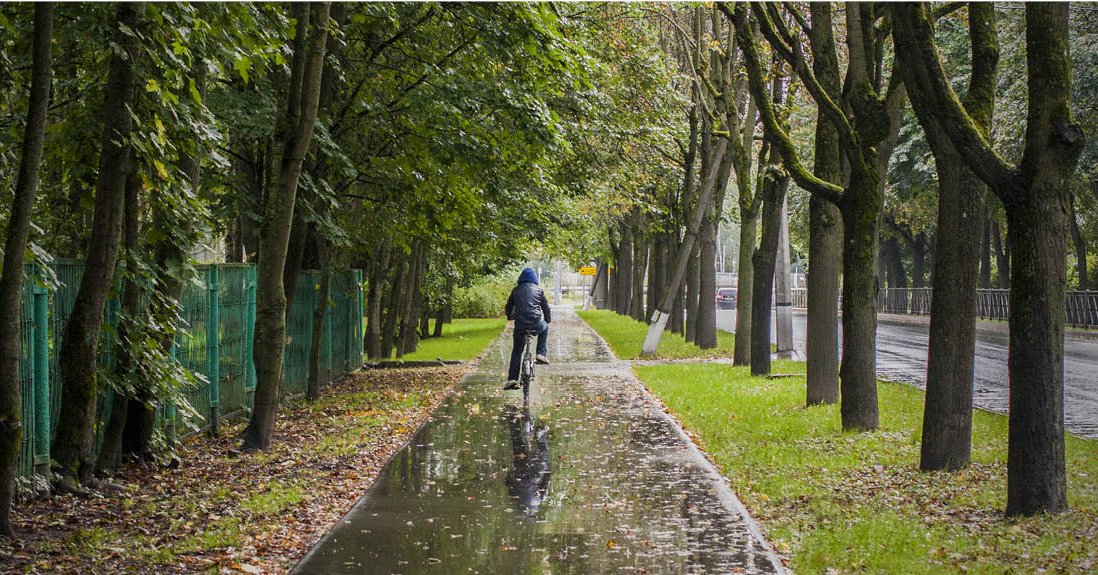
column 856, row 502
column 485, row 298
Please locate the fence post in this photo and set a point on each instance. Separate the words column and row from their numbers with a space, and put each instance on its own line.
column 212, row 353
column 41, row 370
column 249, row 340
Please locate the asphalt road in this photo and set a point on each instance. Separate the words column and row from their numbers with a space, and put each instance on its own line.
column 901, row 356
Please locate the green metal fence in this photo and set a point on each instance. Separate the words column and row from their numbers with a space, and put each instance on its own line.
column 218, row 311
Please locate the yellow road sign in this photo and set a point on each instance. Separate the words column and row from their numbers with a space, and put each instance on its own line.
column 588, row 270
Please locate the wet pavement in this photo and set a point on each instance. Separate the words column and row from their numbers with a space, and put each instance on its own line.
column 590, row 477
column 902, row 350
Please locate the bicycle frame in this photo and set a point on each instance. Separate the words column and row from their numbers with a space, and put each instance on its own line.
column 526, row 376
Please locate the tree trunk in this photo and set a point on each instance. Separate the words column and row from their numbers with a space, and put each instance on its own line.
column 693, row 279
column 640, row 263
column 678, row 273
column 72, row 446
column 1036, row 196
column 378, row 276
column 894, row 264
column 392, row 308
column 918, row 261
column 947, row 415
column 825, row 255
column 1002, row 257
column 625, row 269
column 764, row 261
column 745, row 290
column 128, row 332
column 297, row 124
column 11, row 282
column 858, row 372
column 415, row 302
column 825, row 227
column 1080, row 248
column 706, row 327
column 1037, row 226
column 657, row 265
column 319, row 375
column 985, row 255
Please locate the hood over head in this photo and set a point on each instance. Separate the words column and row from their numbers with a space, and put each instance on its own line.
column 528, row 275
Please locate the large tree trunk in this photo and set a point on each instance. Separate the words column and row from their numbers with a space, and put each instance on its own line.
column 72, row 446
column 947, row 415
column 11, row 282
column 1037, row 225
column 858, row 372
column 297, row 124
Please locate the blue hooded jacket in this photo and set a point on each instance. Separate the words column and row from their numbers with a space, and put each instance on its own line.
column 527, row 305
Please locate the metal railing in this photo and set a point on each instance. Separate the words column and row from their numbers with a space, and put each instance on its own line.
column 1082, row 306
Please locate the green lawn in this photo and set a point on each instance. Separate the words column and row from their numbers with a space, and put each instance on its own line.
column 857, row 503
column 626, row 335
column 464, row 339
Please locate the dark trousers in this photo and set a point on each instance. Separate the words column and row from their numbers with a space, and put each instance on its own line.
column 519, row 342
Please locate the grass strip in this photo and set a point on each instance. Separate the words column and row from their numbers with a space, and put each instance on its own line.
column 626, row 335
column 464, row 339
column 835, row 502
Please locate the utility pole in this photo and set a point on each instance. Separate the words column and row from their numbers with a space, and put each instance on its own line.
column 783, row 296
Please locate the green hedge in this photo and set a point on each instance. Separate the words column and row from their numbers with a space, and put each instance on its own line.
column 484, row 299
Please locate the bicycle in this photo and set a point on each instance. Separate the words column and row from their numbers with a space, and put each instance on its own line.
column 526, row 371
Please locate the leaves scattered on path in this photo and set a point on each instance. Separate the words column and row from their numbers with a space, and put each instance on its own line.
column 224, row 511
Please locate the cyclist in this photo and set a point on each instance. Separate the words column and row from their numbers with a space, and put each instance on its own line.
column 529, row 309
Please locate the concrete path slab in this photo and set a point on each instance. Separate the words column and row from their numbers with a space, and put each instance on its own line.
column 591, row 477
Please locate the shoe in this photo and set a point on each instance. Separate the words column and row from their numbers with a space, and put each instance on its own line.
column 542, row 360
column 512, row 384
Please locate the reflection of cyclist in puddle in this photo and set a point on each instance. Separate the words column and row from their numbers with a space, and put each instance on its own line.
column 528, row 479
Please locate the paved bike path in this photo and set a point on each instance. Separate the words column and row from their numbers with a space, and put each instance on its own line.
column 592, row 478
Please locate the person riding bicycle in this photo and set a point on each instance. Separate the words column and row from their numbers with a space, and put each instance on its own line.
column 529, row 309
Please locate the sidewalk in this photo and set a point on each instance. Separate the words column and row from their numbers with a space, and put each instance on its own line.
column 592, row 478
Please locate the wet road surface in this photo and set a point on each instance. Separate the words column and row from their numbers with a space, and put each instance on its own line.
column 902, row 350
column 591, row 477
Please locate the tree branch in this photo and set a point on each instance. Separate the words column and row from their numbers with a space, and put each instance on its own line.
column 781, row 139
column 934, row 99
